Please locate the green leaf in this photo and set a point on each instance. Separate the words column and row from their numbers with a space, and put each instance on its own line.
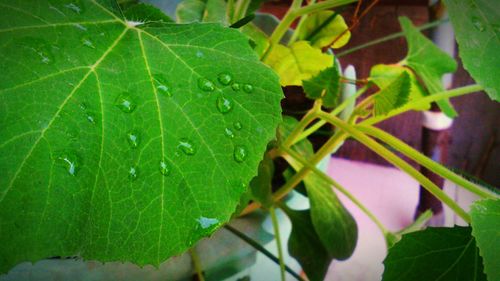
column 393, row 96
column 485, row 223
column 305, row 246
column 383, row 75
column 322, row 28
column 257, row 36
column 146, row 13
column 477, row 30
column 435, row 254
column 327, row 81
column 189, row 11
column 121, row 142
column 428, row 61
column 332, row 221
column 297, row 62
column 261, row 185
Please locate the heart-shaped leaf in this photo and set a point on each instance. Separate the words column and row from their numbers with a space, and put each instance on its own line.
column 123, row 140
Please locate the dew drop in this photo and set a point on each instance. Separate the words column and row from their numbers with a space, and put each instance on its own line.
column 206, row 85
column 161, row 85
column 199, row 54
column 90, row 118
column 164, row 168
column 478, row 24
column 240, row 153
column 73, row 7
column 41, row 48
column 87, row 43
column 235, row 86
column 83, row 106
column 81, row 27
column 229, row 133
column 248, row 88
column 225, row 79
column 132, row 173
column 207, row 222
column 133, row 138
column 125, row 103
column 186, row 146
column 237, row 125
column 224, row 105
column 69, row 161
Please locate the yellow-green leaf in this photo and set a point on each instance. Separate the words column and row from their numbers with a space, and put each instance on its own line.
column 323, row 27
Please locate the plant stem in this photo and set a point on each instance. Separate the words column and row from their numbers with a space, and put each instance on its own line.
column 197, row 264
column 241, row 9
column 334, row 112
column 299, row 26
column 398, row 162
column 423, row 101
column 389, row 37
column 337, row 186
column 424, row 161
column 261, row 249
column 306, row 120
column 277, row 236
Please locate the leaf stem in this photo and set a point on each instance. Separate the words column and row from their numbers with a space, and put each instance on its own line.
column 337, row 186
column 423, row 101
column 398, row 162
column 277, row 236
column 261, row 249
column 197, row 264
column 424, row 161
column 388, row 38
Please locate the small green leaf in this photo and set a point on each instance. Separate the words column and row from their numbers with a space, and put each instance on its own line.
column 322, row 28
column 298, row 62
column 485, row 223
column 333, row 223
column 428, row 61
column 261, row 185
column 327, row 81
column 306, row 247
column 112, row 144
column 383, row 75
column 477, row 28
column 393, row 96
column 189, row 11
column 444, row 254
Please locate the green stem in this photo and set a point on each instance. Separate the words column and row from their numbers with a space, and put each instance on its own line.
column 277, row 236
column 424, row 161
column 197, row 264
column 261, row 249
column 306, row 120
column 337, row 186
column 398, row 162
column 423, row 101
column 299, row 26
column 389, row 37
column 334, row 112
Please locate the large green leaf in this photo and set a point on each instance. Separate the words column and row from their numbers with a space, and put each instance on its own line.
column 121, row 141
column 332, row 222
column 477, row 28
column 322, row 28
column 435, row 254
column 305, row 245
column 428, row 61
column 485, row 216
column 298, row 62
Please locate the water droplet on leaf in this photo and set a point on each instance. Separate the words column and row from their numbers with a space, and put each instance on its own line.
column 133, row 138
column 224, row 105
column 125, row 103
column 74, row 7
column 81, row 27
column 237, row 125
column 248, row 88
column 161, row 85
column 90, row 118
column 225, row 79
column 164, row 168
column 228, row 132
column 132, row 173
column 207, row 222
column 69, row 161
column 235, row 87
column 240, row 153
column 87, row 43
column 206, row 85
column 186, row 146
